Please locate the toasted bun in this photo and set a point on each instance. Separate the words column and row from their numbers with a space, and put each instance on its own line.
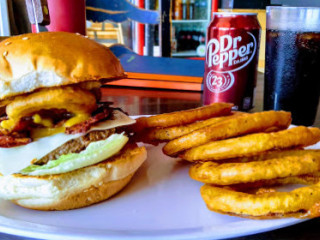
column 47, row 59
column 88, row 197
column 75, row 189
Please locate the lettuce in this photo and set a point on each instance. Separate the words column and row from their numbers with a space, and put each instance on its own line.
column 94, row 153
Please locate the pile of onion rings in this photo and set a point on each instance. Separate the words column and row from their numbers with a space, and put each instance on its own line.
column 168, row 126
column 241, row 157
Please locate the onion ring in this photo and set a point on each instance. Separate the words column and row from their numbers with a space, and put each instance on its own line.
column 301, row 202
column 73, row 99
column 265, row 156
column 241, row 125
column 306, row 179
column 184, row 117
column 297, row 163
column 253, row 144
column 170, row 133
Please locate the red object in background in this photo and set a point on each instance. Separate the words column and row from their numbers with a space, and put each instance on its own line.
column 214, row 6
column 140, row 31
column 66, row 16
column 231, row 59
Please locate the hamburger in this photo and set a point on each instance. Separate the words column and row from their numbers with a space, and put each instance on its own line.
column 60, row 148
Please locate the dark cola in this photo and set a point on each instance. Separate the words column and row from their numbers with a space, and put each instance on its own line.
column 292, row 74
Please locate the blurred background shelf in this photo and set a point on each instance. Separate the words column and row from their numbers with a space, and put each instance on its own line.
column 190, row 53
column 105, row 33
column 190, row 21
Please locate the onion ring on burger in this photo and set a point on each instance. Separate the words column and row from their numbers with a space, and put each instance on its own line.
column 79, row 102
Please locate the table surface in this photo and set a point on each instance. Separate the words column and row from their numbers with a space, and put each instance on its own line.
column 150, row 101
column 140, row 102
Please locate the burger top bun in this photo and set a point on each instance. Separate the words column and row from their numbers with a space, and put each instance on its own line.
column 48, row 59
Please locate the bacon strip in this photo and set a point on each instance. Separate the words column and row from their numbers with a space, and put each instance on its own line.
column 85, row 126
column 10, row 141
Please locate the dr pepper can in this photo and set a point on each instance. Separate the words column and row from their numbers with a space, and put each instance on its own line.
column 232, row 49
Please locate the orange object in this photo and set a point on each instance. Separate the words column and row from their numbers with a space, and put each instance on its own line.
column 214, row 6
column 163, row 77
column 156, row 84
column 177, row 13
column 109, row 91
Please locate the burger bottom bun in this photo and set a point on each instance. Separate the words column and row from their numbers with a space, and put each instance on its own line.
column 89, row 196
column 75, row 189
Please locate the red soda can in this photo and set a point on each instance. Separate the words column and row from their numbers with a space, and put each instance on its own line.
column 232, row 49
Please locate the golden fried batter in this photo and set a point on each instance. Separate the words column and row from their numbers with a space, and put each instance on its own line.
column 301, row 201
column 241, row 125
column 297, row 163
column 76, row 100
column 184, row 117
column 305, row 179
column 253, row 144
column 165, row 134
column 266, row 155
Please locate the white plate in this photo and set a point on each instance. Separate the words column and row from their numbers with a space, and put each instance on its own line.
column 161, row 202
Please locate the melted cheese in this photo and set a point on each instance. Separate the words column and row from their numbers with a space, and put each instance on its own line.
column 45, row 132
column 14, row 159
column 78, row 118
column 43, row 121
column 8, row 124
column 48, row 130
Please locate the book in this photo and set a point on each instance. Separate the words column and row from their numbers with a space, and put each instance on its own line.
column 159, row 72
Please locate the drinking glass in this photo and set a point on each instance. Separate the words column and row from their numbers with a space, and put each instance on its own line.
column 292, row 66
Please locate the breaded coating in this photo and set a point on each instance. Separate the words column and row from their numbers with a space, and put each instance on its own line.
column 301, row 202
column 184, row 117
column 298, row 163
column 241, row 125
column 253, row 144
column 165, row 134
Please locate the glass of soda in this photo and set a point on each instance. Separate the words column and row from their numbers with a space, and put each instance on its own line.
column 292, row 79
